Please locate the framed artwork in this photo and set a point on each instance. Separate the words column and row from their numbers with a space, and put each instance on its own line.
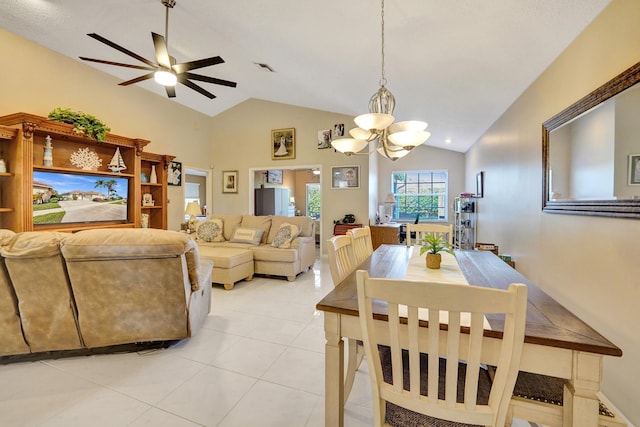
column 480, row 184
column 147, row 199
column 283, row 144
column 634, row 169
column 338, row 129
column 175, row 173
column 229, row 181
column 324, row 139
column 345, row 177
column 274, row 176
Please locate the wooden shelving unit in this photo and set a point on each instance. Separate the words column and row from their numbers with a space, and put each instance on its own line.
column 22, row 141
column 158, row 212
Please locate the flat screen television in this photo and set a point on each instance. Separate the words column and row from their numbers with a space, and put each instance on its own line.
column 68, row 198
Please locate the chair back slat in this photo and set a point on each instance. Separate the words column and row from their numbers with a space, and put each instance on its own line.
column 419, row 230
column 361, row 243
column 461, row 339
column 341, row 261
column 453, row 346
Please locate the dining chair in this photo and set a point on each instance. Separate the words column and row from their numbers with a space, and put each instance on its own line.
column 361, row 243
column 437, row 379
column 417, row 232
column 341, row 264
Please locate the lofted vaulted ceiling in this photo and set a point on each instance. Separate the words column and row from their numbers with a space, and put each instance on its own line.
column 456, row 64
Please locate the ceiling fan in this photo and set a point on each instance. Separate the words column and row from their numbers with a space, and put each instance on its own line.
column 165, row 71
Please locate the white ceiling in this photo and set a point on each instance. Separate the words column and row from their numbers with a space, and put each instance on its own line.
column 457, row 64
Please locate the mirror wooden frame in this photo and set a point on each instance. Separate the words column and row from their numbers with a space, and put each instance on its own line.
column 629, row 208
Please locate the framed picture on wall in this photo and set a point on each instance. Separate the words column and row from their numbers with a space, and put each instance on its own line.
column 229, row 181
column 634, row 169
column 274, row 176
column 175, row 173
column 345, row 177
column 283, row 144
column 480, row 184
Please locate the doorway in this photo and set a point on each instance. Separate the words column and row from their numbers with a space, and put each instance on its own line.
column 296, row 180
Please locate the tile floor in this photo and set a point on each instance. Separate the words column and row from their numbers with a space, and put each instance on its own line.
column 258, row 361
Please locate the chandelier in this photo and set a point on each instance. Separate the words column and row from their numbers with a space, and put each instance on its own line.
column 395, row 140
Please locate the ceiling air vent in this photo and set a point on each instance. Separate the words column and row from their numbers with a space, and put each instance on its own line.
column 264, row 67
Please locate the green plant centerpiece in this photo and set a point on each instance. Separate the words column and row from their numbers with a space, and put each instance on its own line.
column 84, row 124
column 433, row 245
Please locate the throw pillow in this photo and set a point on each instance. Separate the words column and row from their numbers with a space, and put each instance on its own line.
column 285, row 235
column 247, row 235
column 210, row 231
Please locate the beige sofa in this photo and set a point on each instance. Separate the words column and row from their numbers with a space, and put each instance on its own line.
column 99, row 288
column 288, row 260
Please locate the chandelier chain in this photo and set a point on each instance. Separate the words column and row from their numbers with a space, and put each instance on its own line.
column 383, row 79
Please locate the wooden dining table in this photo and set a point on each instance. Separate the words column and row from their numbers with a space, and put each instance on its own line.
column 557, row 343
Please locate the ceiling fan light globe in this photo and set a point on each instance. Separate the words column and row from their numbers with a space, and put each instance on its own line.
column 165, row 78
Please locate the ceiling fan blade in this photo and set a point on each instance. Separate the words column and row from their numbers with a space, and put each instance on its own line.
column 162, row 54
column 137, row 79
column 121, row 49
column 119, row 64
column 171, row 91
column 200, row 63
column 195, row 87
column 210, row 80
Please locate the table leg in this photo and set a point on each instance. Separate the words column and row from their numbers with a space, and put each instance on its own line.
column 333, row 372
column 580, row 403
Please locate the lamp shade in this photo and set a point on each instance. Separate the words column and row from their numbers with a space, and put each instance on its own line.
column 349, row 145
column 390, row 198
column 193, row 208
column 413, row 125
column 375, row 121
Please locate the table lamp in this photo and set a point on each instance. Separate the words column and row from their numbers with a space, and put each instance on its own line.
column 193, row 209
column 389, row 201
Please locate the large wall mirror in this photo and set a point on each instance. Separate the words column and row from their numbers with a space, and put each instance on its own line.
column 591, row 152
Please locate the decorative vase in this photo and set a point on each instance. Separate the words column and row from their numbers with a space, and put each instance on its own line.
column 433, row 261
column 47, row 160
column 144, row 220
column 153, row 178
column 3, row 166
column 143, row 177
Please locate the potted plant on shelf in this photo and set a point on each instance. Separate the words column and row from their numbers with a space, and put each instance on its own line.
column 433, row 245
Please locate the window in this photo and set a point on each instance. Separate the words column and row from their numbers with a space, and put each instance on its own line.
column 313, row 201
column 420, row 193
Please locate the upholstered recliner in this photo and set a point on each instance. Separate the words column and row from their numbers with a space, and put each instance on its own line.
column 99, row 288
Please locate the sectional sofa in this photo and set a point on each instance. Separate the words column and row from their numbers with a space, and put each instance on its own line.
column 98, row 289
column 274, row 245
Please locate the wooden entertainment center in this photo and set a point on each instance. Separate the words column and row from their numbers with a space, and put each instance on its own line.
column 22, row 147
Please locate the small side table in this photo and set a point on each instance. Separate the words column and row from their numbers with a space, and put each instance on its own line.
column 341, row 229
column 385, row 234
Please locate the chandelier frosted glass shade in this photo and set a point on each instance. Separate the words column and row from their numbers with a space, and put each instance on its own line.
column 392, row 155
column 165, row 78
column 409, row 139
column 374, row 121
column 349, row 146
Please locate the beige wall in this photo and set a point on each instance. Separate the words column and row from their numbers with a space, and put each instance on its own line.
column 586, row 263
column 242, row 137
column 36, row 80
column 425, row 158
